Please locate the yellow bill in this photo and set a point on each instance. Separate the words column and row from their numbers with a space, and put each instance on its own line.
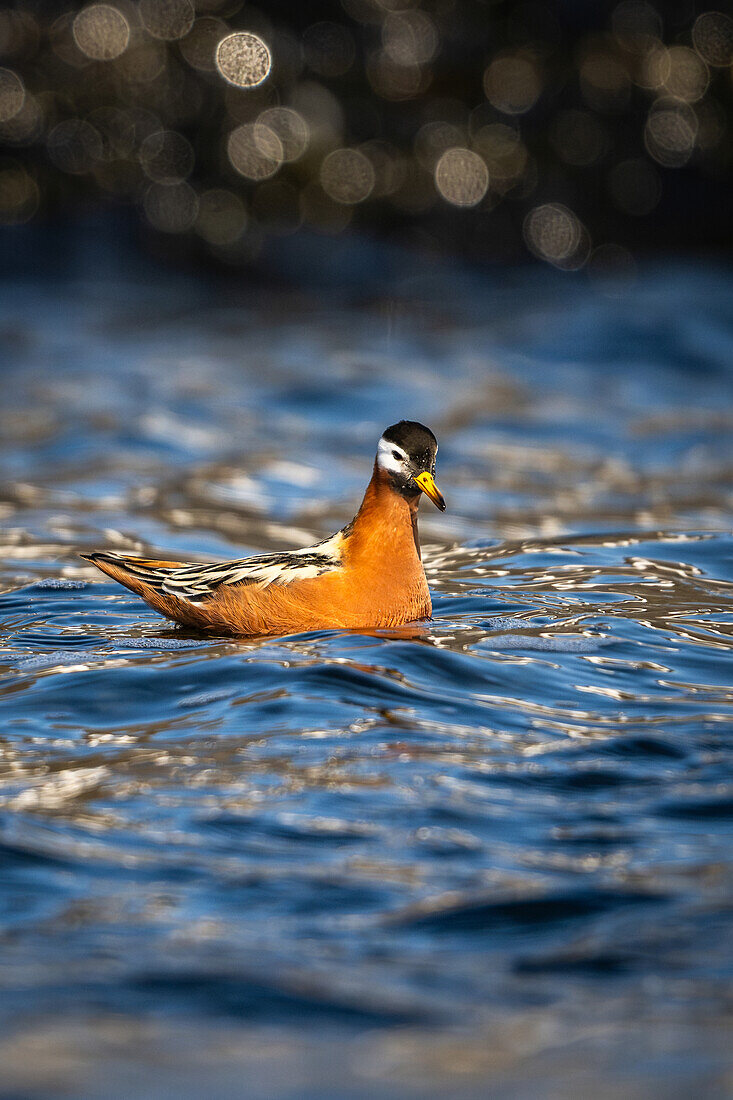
column 428, row 486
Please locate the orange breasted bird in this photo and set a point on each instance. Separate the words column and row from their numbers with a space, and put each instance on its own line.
column 368, row 575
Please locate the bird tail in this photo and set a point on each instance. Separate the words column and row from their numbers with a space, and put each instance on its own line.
column 145, row 577
column 140, row 575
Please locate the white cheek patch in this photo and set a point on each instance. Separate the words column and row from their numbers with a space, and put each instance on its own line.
column 386, row 460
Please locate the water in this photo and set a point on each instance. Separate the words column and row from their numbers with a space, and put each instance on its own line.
column 489, row 856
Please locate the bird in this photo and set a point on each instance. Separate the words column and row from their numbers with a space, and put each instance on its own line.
column 368, row 575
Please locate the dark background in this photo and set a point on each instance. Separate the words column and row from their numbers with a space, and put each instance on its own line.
column 620, row 113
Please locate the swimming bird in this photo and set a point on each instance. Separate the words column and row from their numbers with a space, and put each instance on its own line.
column 368, row 575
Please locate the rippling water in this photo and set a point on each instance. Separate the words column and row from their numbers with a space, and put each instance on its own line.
column 484, row 857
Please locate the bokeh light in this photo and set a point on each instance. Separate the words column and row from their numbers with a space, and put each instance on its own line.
column 74, row 145
column 141, row 63
column 101, row 32
column 604, row 79
column 171, row 209
column 290, row 127
column 655, row 67
column 512, row 84
column 117, row 131
column 392, row 81
column 461, row 177
column 255, row 151
column 167, row 19
column 221, row 217
column 347, row 176
column 243, row 59
column 12, row 94
column 504, row 153
column 25, row 126
column 166, row 157
column 688, row 75
column 382, row 114
column 636, row 25
column 712, row 37
column 670, row 132
column 322, row 114
column 556, row 234
column 409, row 37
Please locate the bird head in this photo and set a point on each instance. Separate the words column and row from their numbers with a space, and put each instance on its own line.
column 406, row 454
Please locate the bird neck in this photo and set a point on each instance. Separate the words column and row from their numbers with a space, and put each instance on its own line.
column 385, row 526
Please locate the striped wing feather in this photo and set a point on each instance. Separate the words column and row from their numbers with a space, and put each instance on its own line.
column 196, row 582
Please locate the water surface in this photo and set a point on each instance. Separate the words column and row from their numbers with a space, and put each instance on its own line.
column 490, row 856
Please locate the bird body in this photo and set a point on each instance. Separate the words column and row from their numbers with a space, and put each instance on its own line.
column 367, row 575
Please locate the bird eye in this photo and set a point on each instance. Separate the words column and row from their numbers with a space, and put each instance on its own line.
column 396, row 454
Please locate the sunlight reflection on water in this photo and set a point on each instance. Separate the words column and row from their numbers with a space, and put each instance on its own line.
column 423, row 851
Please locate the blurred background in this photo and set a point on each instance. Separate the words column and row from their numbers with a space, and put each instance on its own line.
column 576, row 133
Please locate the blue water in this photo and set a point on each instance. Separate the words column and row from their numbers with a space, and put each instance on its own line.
column 491, row 856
